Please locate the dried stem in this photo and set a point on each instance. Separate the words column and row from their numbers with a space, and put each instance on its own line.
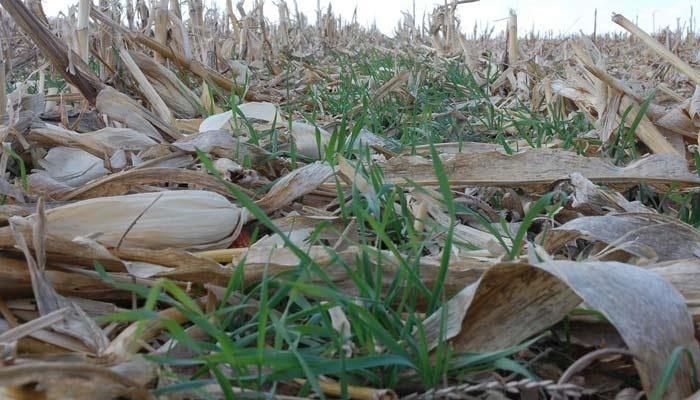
column 586, row 360
column 3, row 82
column 161, row 27
column 658, row 48
column 56, row 51
column 145, row 86
column 234, row 21
column 513, row 38
column 83, row 30
column 646, row 131
column 181, row 61
column 333, row 388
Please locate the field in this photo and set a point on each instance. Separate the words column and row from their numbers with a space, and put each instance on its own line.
column 202, row 204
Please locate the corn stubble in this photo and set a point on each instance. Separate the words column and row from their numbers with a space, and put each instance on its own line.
column 200, row 203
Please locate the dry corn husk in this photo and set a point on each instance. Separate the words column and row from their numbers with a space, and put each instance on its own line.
column 307, row 143
column 648, row 235
column 195, row 220
column 72, row 167
column 260, row 111
column 176, row 95
column 542, row 294
column 101, row 142
column 145, row 87
column 296, row 184
column 240, row 71
column 122, row 108
column 222, row 143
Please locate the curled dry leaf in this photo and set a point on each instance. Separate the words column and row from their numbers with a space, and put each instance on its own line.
column 124, row 182
column 216, row 122
column 472, row 147
column 79, row 381
column 463, row 233
column 118, row 107
column 122, row 108
column 127, row 343
column 512, row 302
column 677, row 120
column 227, row 168
column 72, row 167
column 352, row 174
column 367, row 138
column 694, row 106
column 684, row 275
column 41, row 183
column 295, row 184
column 7, row 189
column 176, row 95
column 98, row 143
column 332, row 229
column 114, row 139
column 299, row 237
column 240, row 71
column 261, row 111
column 309, row 140
column 208, row 103
column 274, row 260
column 596, row 200
column 635, row 233
column 222, row 144
column 341, row 325
column 75, row 324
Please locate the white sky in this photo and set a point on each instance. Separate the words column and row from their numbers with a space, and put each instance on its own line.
column 559, row 16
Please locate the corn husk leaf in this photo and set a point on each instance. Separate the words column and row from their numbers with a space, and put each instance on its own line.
column 180, row 100
column 296, row 184
column 481, row 318
column 75, row 324
column 260, row 111
column 98, row 143
column 222, row 144
column 309, row 140
column 241, row 71
column 72, row 167
column 122, row 108
column 196, row 219
column 592, row 199
column 124, row 182
column 694, row 106
column 439, row 220
column 636, row 233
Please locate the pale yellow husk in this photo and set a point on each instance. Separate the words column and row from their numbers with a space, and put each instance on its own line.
column 186, row 219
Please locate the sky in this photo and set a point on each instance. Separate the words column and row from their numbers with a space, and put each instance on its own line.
column 557, row 16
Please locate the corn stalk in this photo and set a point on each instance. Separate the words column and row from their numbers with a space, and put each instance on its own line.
column 3, row 88
column 161, row 27
column 83, row 30
column 53, row 49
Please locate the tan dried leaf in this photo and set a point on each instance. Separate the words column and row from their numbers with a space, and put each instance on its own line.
column 512, row 302
column 635, row 233
column 295, row 184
